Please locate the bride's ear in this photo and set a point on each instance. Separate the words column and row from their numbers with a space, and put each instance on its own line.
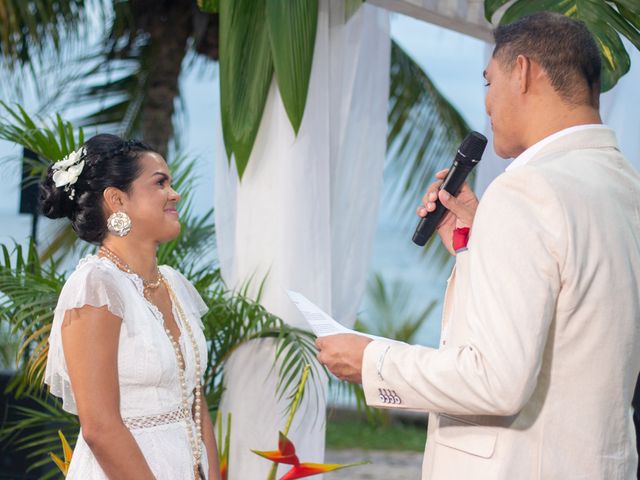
column 113, row 200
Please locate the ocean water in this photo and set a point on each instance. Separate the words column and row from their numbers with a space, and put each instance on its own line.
column 398, row 260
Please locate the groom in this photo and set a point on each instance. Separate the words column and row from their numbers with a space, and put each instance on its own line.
column 540, row 346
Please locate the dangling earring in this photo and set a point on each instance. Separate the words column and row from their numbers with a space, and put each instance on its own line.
column 119, row 224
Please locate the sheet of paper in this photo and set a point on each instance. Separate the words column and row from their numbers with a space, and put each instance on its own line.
column 321, row 323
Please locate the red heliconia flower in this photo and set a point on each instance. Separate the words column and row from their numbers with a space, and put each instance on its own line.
column 307, row 469
column 286, row 454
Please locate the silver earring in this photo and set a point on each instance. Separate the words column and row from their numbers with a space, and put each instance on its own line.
column 119, row 224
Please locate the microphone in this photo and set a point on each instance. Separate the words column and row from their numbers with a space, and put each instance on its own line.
column 467, row 157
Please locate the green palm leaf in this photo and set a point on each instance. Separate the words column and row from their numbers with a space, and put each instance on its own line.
column 29, row 295
column 246, row 71
column 492, row 6
column 34, row 428
column 424, row 128
column 29, row 28
column 50, row 140
column 292, row 32
column 391, row 314
column 118, row 86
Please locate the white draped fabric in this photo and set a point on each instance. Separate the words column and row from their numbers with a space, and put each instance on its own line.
column 618, row 109
column 303, row 218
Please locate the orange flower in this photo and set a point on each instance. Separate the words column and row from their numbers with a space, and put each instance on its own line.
column 63, row 465
column 307, row 469
column 286, row 454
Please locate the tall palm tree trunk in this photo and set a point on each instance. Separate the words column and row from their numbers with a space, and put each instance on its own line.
column 169, row 30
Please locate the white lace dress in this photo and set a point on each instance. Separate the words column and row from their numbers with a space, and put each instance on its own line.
column 147, row 367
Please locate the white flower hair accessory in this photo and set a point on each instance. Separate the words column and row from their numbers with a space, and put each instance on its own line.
column 67, row 171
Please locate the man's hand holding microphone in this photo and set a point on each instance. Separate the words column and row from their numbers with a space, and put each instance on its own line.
column 460, row 209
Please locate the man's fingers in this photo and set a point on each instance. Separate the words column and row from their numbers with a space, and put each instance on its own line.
column 442, row 173
column 432, row 194
column 430, row 198
column 455, row 206
column 448, row 201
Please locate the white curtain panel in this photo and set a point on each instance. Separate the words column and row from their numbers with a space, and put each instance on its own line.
column 303, row 218
column 618, row 108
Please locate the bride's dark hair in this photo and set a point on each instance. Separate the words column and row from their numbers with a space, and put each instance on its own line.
column 109, row 162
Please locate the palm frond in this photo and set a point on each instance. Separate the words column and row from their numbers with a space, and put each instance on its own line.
column 115, row 89
column 391, row 314
column 30, row 29
column 34, row 428
column 234, row 319
column 424, row 130
column 51, row 139
column 40, row 42
column 29, row 292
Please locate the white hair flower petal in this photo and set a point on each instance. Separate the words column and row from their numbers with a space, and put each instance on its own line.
column 67, row 171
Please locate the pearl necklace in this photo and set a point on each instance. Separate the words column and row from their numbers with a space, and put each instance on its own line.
column 196, row 419
column 194, row 440
column 146, row 284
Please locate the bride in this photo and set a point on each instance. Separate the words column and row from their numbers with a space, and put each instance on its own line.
column 127, row 349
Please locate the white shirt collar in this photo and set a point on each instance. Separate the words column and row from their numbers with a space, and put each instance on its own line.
column 530, row 152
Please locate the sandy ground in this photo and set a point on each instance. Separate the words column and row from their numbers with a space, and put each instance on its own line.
column 385, row 465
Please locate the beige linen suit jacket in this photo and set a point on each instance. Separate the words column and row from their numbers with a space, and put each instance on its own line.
column 540, row 342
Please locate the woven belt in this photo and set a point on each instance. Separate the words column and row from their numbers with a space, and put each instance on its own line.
column 155, row 420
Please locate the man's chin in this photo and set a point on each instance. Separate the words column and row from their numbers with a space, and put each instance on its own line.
column 503, row 152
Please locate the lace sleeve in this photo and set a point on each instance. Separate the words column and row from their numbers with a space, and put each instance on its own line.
column 89, row 285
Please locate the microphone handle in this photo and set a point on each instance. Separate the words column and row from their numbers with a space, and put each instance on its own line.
column 452, row 184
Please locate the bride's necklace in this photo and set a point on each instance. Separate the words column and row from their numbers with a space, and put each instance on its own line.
column 196, row 418
column 194, row 440
column 146, row 284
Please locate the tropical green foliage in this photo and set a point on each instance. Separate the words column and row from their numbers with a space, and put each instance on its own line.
column 51, row 141
column 391, row 313
column 26, row 29
column 119, row 61
column 607, row 20
column 36, row 431
column 29, row 294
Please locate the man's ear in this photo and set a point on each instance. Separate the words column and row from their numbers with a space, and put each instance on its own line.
column 522, row 70
column 113, row 199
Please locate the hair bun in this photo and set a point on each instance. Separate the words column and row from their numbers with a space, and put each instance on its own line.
column 54, row 201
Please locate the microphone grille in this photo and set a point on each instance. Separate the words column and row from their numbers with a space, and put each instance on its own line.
column 473, row 145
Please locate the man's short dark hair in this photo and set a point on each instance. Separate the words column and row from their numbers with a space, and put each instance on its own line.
column 564, row 48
